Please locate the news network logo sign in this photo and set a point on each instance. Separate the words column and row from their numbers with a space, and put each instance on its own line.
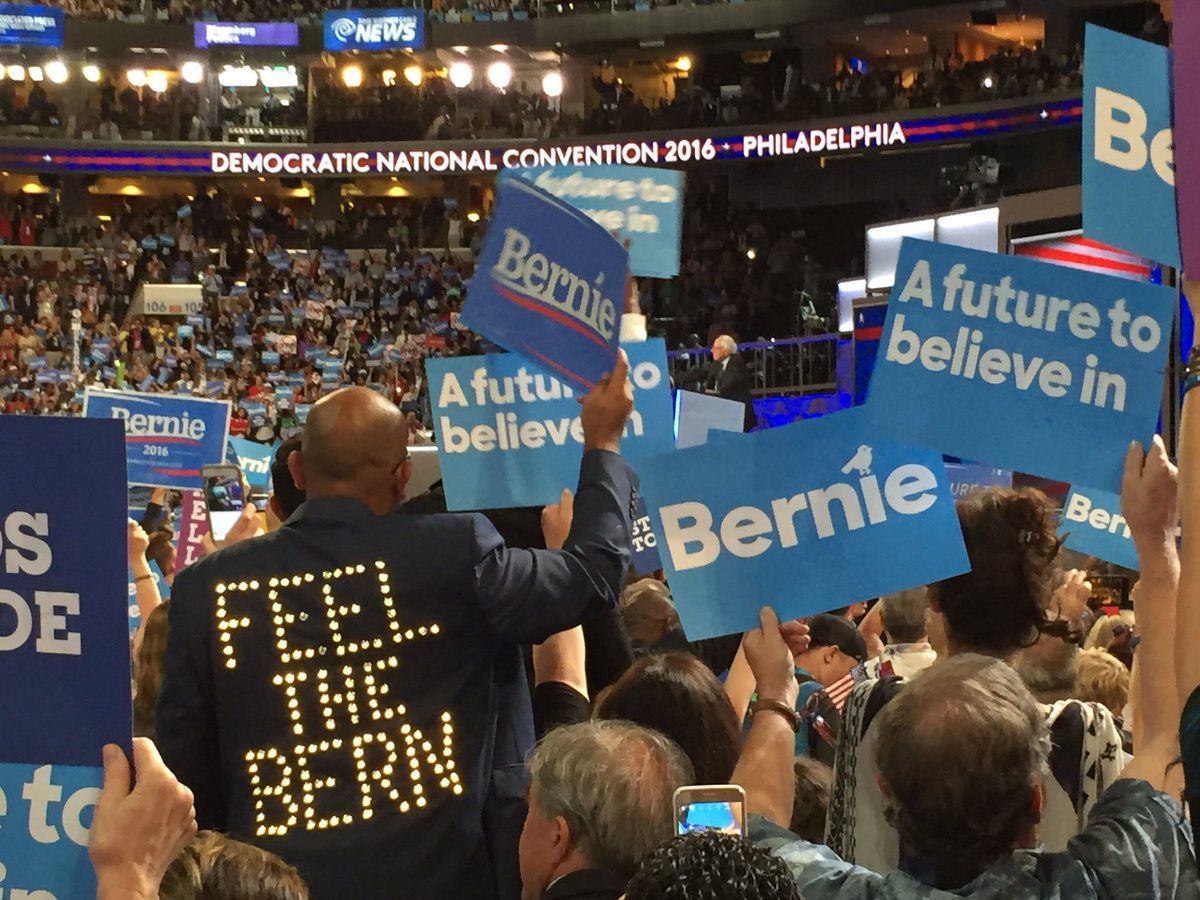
column 382, row 29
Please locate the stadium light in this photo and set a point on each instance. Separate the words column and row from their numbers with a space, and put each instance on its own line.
column 16, row 72
column 91, row 72
column 684, row 64
column 192, row 71
column 472, row 217
column 352, row 76
column 461, row 74
column 552, row 84
column 35, row 73
column 388, row 77
column 987, row 82
column 57, row 72
column 136, row 77
column 500, row 74
column 156, row 80
column 414, row 75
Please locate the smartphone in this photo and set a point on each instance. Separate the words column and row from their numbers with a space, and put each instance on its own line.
column 710, row 807
column 1110, row 590
column 225, row 497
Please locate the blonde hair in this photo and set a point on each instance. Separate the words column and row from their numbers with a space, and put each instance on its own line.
column 1102, row 678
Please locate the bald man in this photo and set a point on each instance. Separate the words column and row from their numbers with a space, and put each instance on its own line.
column 330, row 689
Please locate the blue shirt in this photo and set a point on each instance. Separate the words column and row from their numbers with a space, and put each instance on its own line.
column 1137, row 845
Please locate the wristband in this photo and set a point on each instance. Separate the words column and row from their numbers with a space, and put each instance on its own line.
column 777, row 706
column 142, row 578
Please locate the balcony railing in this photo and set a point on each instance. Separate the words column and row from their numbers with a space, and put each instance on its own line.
column 797, row 365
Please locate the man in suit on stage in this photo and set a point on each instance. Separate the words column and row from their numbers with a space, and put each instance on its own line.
column 727, row 376
column 330, row 691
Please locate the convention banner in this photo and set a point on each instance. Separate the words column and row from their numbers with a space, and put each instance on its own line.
column 168, row 437
column 1128, row 148
column 1092, row 524
column 860, row 517
column 1016, row 363
column 64, row 647
column 550, row 285
column 193, row 526
column 637, row 203
column 509, row 435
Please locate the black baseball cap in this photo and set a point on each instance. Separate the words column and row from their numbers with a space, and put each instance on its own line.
column 286, row 493
column 825, row 630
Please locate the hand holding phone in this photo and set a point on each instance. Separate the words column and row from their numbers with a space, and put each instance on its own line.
column 710, row 807
column 225, row 496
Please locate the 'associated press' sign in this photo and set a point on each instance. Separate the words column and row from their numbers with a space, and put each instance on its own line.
column 168, row 438
column 550, row 285
column 64, row 647
column 31, row 26
column 374, row 29
column 983, row 355
column 1128, row 147
column 509, row 435
column 860, row 518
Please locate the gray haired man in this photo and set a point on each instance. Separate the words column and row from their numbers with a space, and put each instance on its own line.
column 600, row 799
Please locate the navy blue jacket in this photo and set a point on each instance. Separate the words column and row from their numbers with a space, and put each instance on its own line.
column 333, row 692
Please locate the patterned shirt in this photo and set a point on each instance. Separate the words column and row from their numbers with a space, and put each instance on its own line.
column 1137, row 846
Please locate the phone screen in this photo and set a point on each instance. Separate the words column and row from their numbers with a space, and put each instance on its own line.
column 224, row 497
column 727, row 816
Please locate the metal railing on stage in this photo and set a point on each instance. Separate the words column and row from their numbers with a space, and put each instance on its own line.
column 797, row 365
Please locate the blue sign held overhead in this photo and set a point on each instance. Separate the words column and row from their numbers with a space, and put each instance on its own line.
column 169, row 438
column 509, row 435
column 983, row 356
column 1092, row 524
column 645, row 559
column 861, row 517
column 642, row 204
column 1128, row 148
column 550, row 285
column 31, row 26
column 65, row 659
column 374, row 29
column 255, row 460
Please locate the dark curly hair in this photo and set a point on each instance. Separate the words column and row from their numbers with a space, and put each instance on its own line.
column 1000, row 605
column 709, row 865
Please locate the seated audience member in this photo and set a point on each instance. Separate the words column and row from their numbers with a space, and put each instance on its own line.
column 148, row 671
column 1102, row 678
column 676, row 694
column 419, row 664
column 137, row 832
column 600, row 799
column 709, row 865
column 814, row 781
column 905, row 618
column 213, row 867
column 998, row 608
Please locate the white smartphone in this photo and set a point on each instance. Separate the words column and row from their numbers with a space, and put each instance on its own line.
column 710, row 807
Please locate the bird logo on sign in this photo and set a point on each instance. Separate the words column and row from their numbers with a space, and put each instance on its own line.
column 860, row 462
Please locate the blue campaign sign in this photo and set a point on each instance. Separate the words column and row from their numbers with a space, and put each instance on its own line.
column 64, row 647
column 1128, row 148
column 1022, row 364
column 1092, row 524
column 374, row 29
column 31, row 26
column 550, row 284
column 509, row 435
column 169, row 438
column 645, row 559
column 642, row 204
column 255, row 460
column 859, row 518
column 966, row 478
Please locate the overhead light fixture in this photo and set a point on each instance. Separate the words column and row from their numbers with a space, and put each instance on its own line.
column 156, row 80
column 500, row 75
column 352, row 76
column 36, row 73
column 136, row 77
column 472, row 217
column 16, row 72
column 91, row 72
column 388, row 77
column 552, row 84
column 987, row 82
column 237, row 76
column 414, row 75
column 278, row 77
column 192, row 71
column 57, row 71
column 500, row 48
column 461, row 74
column 684, row 64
